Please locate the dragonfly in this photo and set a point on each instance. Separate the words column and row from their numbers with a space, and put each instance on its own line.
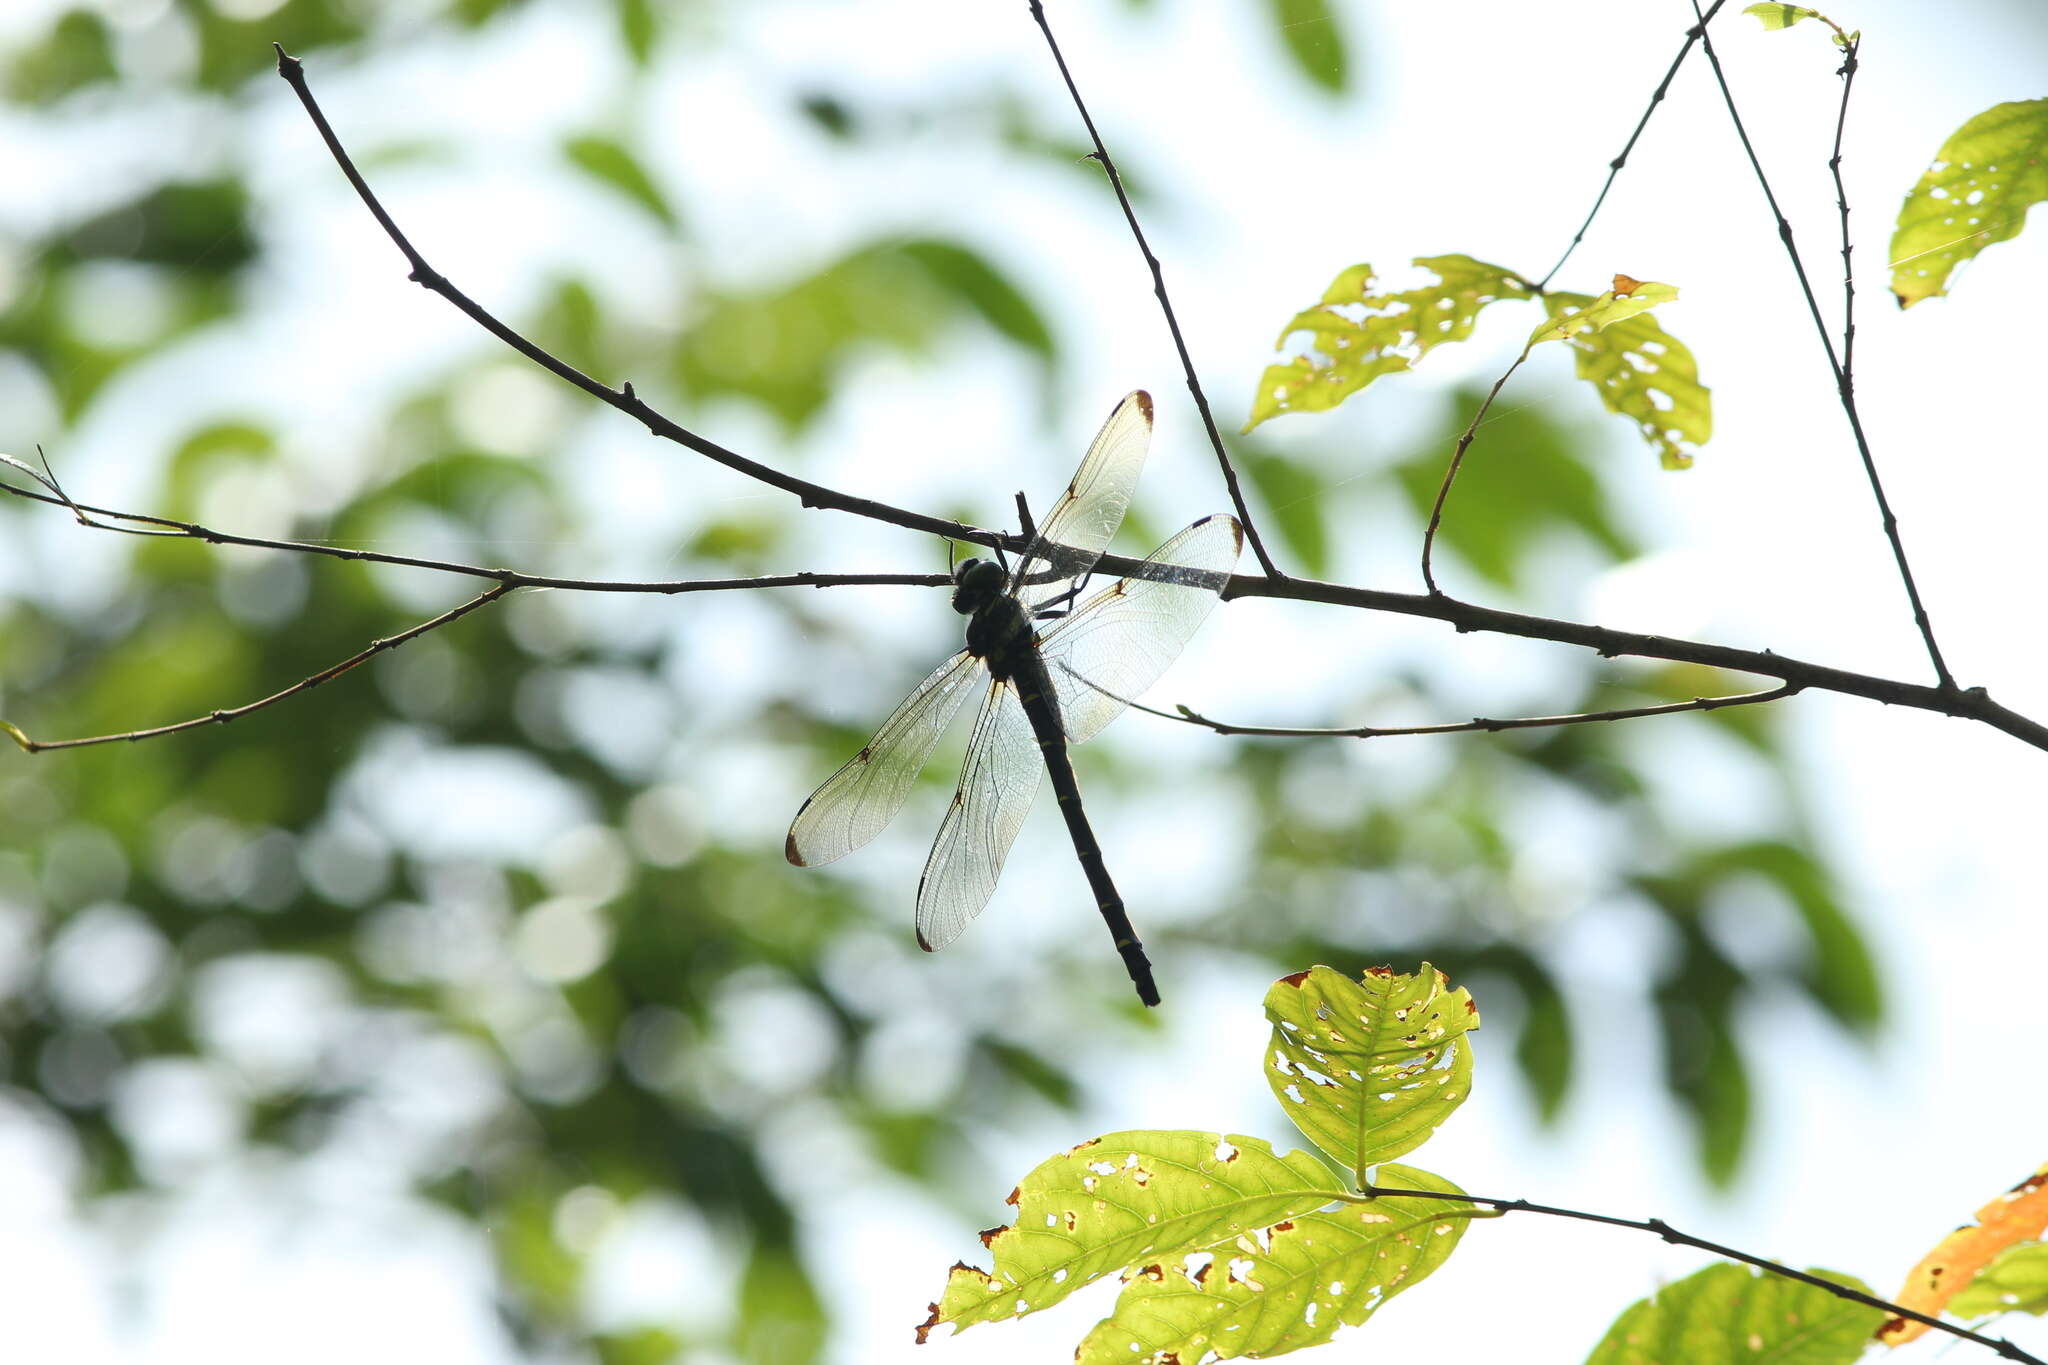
column 1050, row 674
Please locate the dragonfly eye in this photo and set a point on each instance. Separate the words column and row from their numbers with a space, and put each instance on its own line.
column 981, row 574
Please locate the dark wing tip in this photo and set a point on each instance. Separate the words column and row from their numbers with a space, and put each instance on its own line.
column 1144, row 402
column 790, row 850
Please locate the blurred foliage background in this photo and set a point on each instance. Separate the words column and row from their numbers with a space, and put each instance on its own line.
column 490, row 918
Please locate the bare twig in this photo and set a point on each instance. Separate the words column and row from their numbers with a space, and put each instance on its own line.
column 1443, row 492
column 1116, row 183
column 147, row 524
column 1843, row 389
column 1692, row 35
column 1672, row 1235
column 623, row 398
column 1848, row 75
column 1485, row 724
column 375, row 647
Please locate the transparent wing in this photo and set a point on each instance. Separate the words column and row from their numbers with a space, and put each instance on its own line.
column 997, row 781
column 1116, row 644
column 855, row 803
column 1077, row 530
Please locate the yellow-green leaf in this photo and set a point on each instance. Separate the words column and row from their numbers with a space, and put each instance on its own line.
column 1368, row 1069
column 1734, row 1313
column 1647, row 375
column 1291, row 1285
column 2016, row 1282
column 1983, row 181
column 2018, row 1215
column 1576, row 319
column 1782, row 16
column 1355, row 335
column 1121, row 1199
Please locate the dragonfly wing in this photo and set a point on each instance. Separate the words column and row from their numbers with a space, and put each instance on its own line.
column 855, row 803
column 1079, row 527
column 1116, row 644
column 997, row 781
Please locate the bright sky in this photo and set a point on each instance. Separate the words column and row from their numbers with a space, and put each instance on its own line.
column 1485, row 129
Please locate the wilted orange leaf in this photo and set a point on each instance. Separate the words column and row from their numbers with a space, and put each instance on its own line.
column 2021, row 1213
column 1624, row 285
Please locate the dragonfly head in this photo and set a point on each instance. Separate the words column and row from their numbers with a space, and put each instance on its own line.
column 975, row 582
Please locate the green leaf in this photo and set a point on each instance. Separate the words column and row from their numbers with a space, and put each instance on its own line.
column 1291, row 1286
column 970, row 278
column 1356, row 336
column 1368, row 1069
column 610, row 163
column 1642, row 372
column 639, row 27
column 1310, row 31
column 1120, row 1199
column 2015, row 1282
column 1983, row 180
column 1782, row 16
column 1734, row 1313
column 1575, row 317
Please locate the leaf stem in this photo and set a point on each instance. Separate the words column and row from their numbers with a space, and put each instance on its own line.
column 1443, row 492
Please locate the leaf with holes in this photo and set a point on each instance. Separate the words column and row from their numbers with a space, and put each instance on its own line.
column 2018, row 1215
column 1732, row 1312
column 1368, row 1069
column 1123, row 1199
column 1284, row 1287
column 1983, row 181
column 1355, row 335
column 1645, row 374
column 2015, row 1282
column 1575, row 316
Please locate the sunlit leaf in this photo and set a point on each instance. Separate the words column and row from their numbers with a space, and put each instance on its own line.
column 1368, row 1069
column 1290, row 1286
column 1113, row 1202
column 1642, row 372
column 2018, row 1215
column 1355, row 335
column 1781, row 16
column 1573, row 315
column 1734, row 1313
column 1309, row 29
column 610, row 163
column 2016, row 1281
column 1983, row 180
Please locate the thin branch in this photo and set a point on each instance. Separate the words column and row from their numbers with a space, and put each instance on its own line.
column 1244, row 514
column 1486, row 724
column 623, row 398
column 1972, row 703
column 509, row 578
column 1692, row 35
column 1848, row 75
column 375, row 647
column 1844, row 391
column 1443, row 492
column 1660, row 1228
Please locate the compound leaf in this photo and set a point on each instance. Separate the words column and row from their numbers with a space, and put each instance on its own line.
column 1734, row 1313
column 1355, row 335
column 1289, row 1286
column 1122, row 1199
column 1983, row 181
column 1368, row 1069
